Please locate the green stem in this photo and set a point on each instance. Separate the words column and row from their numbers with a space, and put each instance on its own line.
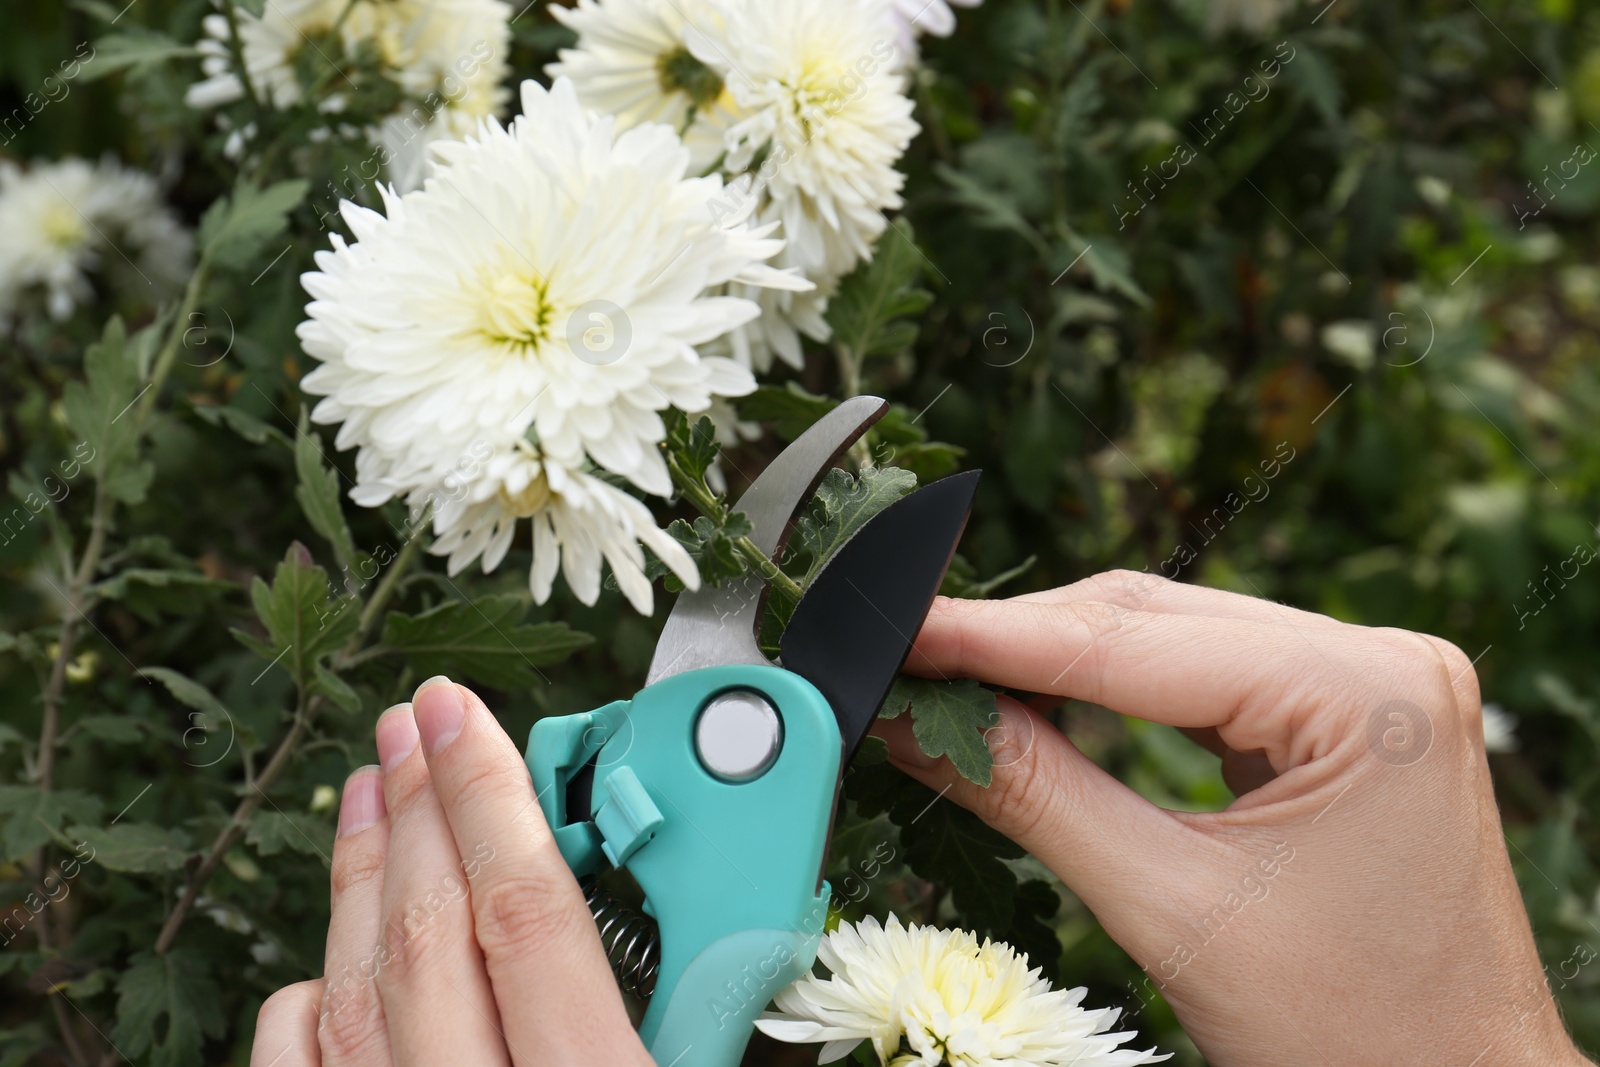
column 710, row 505
column 381, row 595
column 849, row 386
column 768, row 569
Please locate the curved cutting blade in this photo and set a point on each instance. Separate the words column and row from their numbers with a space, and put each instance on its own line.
column 717, row 624
column 852, row 631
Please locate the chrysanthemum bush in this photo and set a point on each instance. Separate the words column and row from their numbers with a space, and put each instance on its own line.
column 347, row 343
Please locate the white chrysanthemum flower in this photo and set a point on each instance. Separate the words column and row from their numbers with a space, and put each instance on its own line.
column 62, row 221
column 934, row 17
column 946, row 998
column 527, row 314
column 803, row 102
column 1252, row 17
column 822, row 117
column 632, row 61
column 1499, row 729
column 448, row 56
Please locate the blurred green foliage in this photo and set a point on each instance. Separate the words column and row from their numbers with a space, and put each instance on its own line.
column 1311, row 315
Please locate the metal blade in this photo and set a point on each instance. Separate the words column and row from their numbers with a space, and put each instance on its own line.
column 855, row 626
column 717, row 625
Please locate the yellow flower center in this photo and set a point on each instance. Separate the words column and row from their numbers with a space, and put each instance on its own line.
column 515, row 309
column 63, row 227
column 534, row 498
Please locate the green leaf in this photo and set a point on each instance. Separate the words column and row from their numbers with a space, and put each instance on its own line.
column 113, row 729
column 151, row 591
column 843, row 504
column 235, row 228
column 167, row 1005
column 273, row 831
column 788, row 408
column 1032, row 930
column 33, row 817
column 100, row 410
column 876, row 294
column 335, row 689
column 991, row 208
column 948, row 719
column 242, row 423
column 903, row 443
column 318, row 494
column 304, row 623
column 120, row 51
column 944, row 842
column 135, row 848
column 482, row 640
column 694, row 445
column 187, row 691
column 710, row 545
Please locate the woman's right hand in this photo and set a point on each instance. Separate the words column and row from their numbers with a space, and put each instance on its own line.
column 1354, row 905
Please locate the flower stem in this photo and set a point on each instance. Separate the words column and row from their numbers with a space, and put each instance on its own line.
column 768, row 569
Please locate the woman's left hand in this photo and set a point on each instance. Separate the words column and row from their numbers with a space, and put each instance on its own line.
column 458, row 934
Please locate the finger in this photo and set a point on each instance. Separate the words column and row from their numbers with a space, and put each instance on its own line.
column 435, row 991
column 286, row 1029
column 1266, row 687
column 1151, row 592
column 352, row 1031
column 538, row 937
column 1104, row 840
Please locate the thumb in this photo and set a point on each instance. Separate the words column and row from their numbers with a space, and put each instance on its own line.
column 1126, row 858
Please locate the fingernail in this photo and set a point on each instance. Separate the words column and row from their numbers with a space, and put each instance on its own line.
column 440, row 711
column 362, row 804
column 397, row 736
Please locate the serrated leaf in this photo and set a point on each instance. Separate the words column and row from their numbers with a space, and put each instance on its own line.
column 843, row 504
column 135, row 848
column 236, row 227
column 99, row 409
column 33, row 817
column 710, row 545
column 1036, row 902
column 482, row 640
column 335, row 689
column 242, row 423
column 992, row 208
column 944, row 843
column 948, row 719
column 788, row 408
column 693, row 444
column 120, row 51
column 273, row 831
column 880, row 291
column 319, row 496
column 114, row 729
column 187, row 691
column 950, row 846
column 151, row 591
column 167, row 1005
column 303, row 622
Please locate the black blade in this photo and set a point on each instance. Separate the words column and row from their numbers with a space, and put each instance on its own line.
column 855, row 625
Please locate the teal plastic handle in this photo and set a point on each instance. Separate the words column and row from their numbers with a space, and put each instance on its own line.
column 729, row 870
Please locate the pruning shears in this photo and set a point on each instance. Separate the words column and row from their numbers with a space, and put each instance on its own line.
column 716, row 785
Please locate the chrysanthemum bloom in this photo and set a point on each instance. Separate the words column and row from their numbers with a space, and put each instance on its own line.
column 63, row 221
column 633, row 63
column 448, row 56
column 928, row 997
column 522, row 321
column 803, row 100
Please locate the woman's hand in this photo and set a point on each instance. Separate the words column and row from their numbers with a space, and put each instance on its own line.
column 458, row 934
column 1354, row 906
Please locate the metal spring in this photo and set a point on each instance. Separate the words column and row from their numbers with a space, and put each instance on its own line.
column 632, row 941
